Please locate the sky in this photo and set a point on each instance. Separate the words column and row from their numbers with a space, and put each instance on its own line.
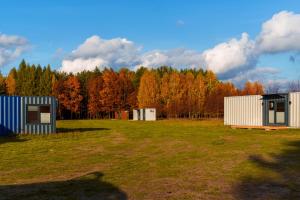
column 237, row 39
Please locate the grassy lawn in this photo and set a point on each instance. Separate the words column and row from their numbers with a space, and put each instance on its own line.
column 93, row 159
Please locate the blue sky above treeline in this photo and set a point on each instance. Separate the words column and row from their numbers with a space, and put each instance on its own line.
column 238, row 40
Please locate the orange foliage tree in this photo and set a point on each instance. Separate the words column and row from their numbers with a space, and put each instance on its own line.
column 68, row 94
column 11, row 83
column 111, row 93
column 95, row 86
column 253, row 88
column 149, row 90
column 215, row 100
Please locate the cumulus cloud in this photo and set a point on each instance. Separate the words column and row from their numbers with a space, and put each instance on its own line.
column 120, row 52
column 280, row 34
column 231, row 56
column 98, row 52
column 11, row 47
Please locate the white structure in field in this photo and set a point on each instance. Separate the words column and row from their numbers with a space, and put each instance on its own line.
column 263, row 110
column 142, row 114
column 149, row 114
column 145, row 114
column 136, row 115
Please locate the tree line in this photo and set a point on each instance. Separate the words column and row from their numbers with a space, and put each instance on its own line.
column 186, row 93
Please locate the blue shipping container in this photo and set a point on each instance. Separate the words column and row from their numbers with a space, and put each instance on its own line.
column 33, row 115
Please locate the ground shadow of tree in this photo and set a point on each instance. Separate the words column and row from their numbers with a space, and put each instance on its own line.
column 70, row 130
column 90, row 186
column 284, row 185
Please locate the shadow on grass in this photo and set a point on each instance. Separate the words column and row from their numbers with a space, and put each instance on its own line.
column 284, row 185
column 89, row 186
column 11, row 139
column 70, row 130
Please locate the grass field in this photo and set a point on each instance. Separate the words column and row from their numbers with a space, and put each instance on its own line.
column 151, row 160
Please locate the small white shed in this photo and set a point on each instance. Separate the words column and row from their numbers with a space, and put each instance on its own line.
column 150, row 114
column 136, row 115
column 144, row 114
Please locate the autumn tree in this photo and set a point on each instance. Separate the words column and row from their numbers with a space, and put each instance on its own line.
column 199, row 93
column 127, row 91
column 95, row 86
column 172, row 93
column 149, row 90
column 189, row 94
column 215, row 100
column 68, row 94
column 11, row 82
column 111, row 92
column 2, row 85
column 211, row 80
column 255, row 88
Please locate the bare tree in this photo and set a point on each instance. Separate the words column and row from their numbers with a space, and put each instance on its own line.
column 273, row 88
column 294, row 86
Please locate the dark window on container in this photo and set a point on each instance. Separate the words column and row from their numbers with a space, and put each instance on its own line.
column 280, row 107
column 32, row 114
column 37, row 114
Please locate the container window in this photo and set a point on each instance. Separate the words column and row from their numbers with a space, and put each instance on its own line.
column 280, row 107
column 271, row 105
column 38, row 114
column 45, row 109
column 32, row 114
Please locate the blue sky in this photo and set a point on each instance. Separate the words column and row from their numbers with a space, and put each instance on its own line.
column 54, row 29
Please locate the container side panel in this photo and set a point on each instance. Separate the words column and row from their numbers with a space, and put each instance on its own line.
column 39, row 128
column 294, row 110
column 9, row 115
column 243, row 110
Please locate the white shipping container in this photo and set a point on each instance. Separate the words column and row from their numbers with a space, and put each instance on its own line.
column 294, row 110
column 243, row 110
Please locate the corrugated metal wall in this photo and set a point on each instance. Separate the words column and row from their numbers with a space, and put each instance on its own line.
column 9, row 114
column 294, row 117
column 38, row 128
column 243, row 110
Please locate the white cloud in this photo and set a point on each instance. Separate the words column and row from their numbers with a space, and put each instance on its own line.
column 12, row 40
column 120, row 52
column 80, row 64
column 178, row 58
column 11, row 47
column 279, row 34
column 261, row 74
column 231, row 56
column 95, row 51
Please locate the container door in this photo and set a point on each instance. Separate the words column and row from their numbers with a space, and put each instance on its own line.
column 271, row 112
column 280, row 117
column 277, row 112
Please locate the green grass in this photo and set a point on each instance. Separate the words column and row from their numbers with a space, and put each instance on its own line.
column 101, row 159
